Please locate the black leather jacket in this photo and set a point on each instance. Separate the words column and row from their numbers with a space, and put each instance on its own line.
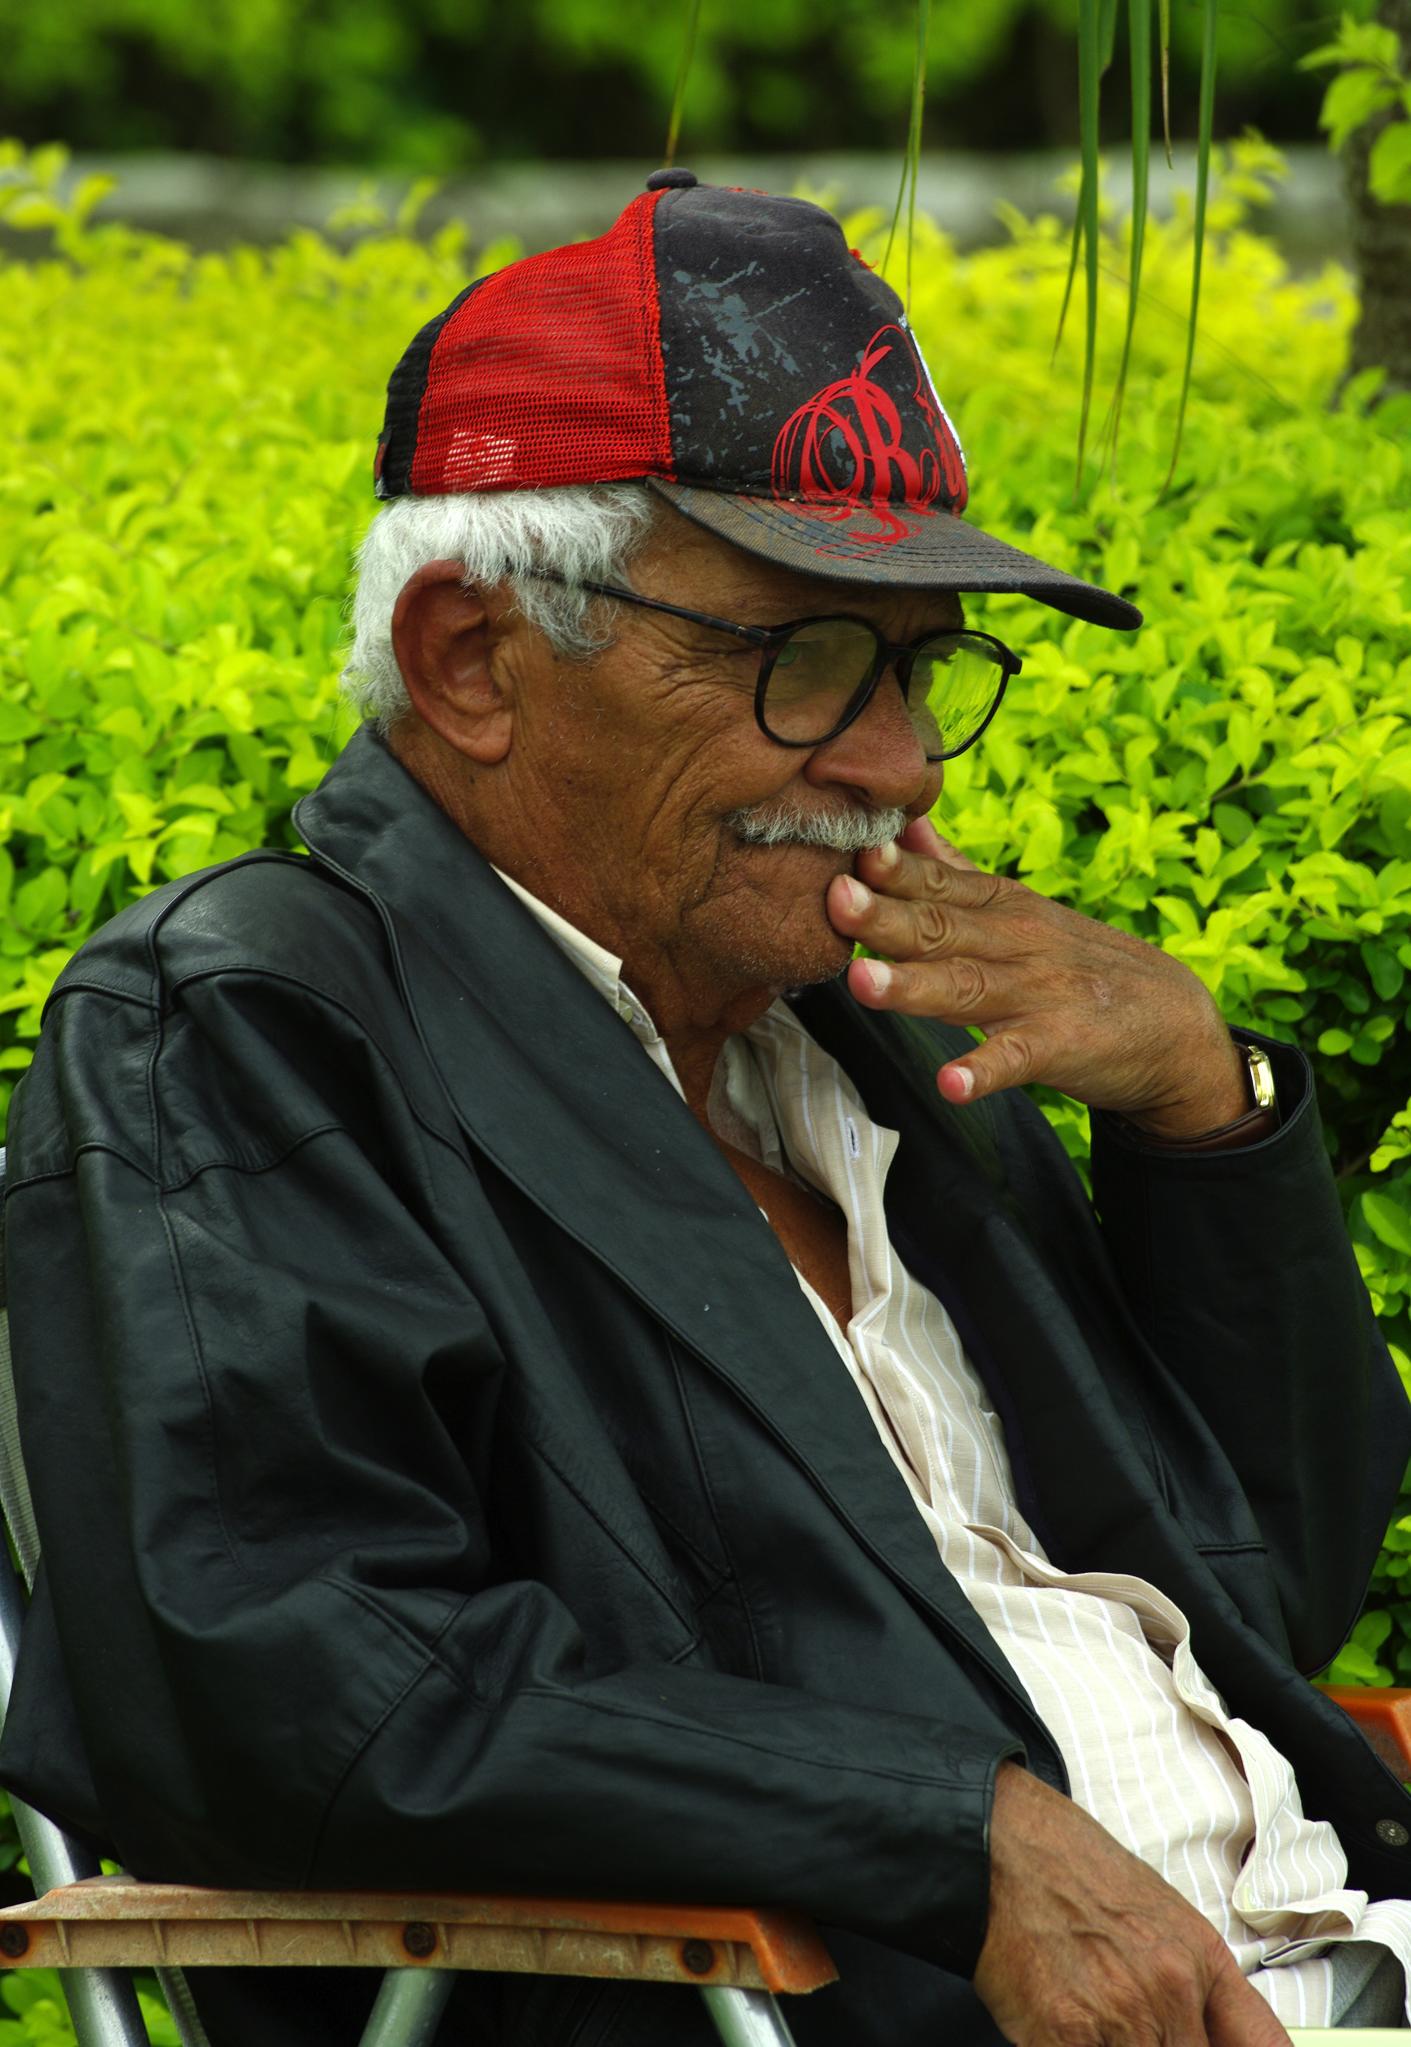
column 444, row 1482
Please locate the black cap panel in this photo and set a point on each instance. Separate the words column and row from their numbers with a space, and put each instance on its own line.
column 765, row 312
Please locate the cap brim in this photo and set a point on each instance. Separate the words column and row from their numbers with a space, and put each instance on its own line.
column 918, row 550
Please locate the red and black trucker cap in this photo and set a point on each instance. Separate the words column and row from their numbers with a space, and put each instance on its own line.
column 730, row 349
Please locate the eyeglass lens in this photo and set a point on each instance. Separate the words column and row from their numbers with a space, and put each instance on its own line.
column 817, row 672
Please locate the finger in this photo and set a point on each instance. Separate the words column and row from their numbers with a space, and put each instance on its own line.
column 1006, row 1059
column 1175, row 1982
column 963, row 990
column 912, row 875
column 921, row 929
column 1237, row 2016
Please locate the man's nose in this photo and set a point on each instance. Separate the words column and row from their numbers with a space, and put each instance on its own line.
column 879, row 757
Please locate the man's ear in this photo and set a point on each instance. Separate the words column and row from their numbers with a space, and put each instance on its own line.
column 441, row 635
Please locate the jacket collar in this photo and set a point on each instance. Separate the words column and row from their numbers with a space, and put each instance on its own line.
column 549, row 1082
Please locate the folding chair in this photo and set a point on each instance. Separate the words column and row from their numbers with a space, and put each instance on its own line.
column 94, row 1929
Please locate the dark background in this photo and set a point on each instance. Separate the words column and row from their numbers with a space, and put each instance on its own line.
column 447, row 85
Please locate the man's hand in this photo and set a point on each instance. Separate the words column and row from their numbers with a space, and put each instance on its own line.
column 1063, row 999
column 1087, row 1947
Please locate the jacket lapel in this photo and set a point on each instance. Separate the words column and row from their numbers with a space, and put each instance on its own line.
column 552, row 1086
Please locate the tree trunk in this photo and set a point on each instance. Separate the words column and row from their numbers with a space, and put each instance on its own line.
column 1381, row 242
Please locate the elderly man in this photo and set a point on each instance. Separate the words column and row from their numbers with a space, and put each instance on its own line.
column 543, row 1370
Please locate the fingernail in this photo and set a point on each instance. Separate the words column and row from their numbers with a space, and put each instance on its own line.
column 889, row 854
column 880, row 976
column 859, row 898
column 966, row 1079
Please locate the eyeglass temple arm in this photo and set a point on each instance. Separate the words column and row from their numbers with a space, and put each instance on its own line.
column 759, row 635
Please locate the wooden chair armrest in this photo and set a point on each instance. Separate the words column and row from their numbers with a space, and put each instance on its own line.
column 117, row 1922
column 1383, row 1713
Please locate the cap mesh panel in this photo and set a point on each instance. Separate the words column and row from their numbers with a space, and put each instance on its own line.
column 550, row 372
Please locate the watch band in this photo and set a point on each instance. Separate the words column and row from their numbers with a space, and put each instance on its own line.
column 1260, row 1119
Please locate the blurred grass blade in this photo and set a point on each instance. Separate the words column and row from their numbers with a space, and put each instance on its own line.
column 1165, row 24
column 1074, row 248
column 918, row 113
column 1208, row 45
column 1089, row 90
column 678, row 101
column 1107, row 40
column 1140, row 30
column 911, row 166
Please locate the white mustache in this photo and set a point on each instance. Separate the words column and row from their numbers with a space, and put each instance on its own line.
column 840, row 831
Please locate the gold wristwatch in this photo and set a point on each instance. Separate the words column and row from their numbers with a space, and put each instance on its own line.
column 1260, row 1119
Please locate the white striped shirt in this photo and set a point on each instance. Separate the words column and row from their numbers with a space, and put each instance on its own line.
column 1152, row 1753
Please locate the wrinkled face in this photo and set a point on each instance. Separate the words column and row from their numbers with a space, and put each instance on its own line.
column 645, row 773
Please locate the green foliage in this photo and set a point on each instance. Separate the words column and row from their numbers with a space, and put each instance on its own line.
column 191, row 470
column 41, row 2018
column 1371, row 83
column 10, row 1853
column 437, row 84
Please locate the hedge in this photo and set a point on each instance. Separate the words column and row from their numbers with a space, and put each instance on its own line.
column 434, row 86
column 190, row 445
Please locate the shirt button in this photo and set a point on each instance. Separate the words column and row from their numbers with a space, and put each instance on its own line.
column 625, row 1009
column 1392, row 1834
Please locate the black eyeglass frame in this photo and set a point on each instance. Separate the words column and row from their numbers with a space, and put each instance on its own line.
column 771, row 638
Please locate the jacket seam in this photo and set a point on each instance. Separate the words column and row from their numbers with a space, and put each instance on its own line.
column 252, row 1167
column 91, row 985
column 708, row 1489
column 179, row 1287
column 231, row 1163
column 760, row 1748
column 154, row 1143
column 536, row 1446
column 242, row 968
column 429, row 1659
column 203, row 1379
column 426, row 1646
column 360, row 1023
column 389, row 1065
column 713, row 1574
column 66, row 1171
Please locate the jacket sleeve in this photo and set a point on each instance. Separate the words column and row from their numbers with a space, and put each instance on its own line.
column 1238, row 1269
column 257, row 1402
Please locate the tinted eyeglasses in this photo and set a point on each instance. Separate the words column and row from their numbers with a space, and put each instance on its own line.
column 817, row 674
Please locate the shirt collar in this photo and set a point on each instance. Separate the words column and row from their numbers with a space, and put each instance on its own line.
column 739, row 1107
column 603, row 969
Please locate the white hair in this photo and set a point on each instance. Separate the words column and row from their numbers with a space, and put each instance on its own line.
column 585, row 533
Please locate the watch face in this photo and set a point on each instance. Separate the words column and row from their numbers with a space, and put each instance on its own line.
column 1261, row 1077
